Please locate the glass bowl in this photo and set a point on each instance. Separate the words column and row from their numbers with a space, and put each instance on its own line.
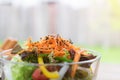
column 86, row 70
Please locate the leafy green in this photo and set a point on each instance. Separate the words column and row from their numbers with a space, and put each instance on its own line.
column 22, row 71
column 29, row 56
column 50, row 57
column 18, row 71
column 66, row 53
column 63, row 59
column 43, row 55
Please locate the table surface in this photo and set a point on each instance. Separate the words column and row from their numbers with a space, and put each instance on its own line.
column 108, row 71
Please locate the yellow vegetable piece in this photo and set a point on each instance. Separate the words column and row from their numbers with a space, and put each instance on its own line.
column 48, row 74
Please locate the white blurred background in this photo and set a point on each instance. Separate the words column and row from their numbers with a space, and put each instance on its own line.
column 84, row 21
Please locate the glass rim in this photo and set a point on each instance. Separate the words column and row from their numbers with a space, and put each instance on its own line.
column 97, row 54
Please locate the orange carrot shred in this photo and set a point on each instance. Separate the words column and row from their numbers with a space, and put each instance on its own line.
column 50, row 44
column 76, row 59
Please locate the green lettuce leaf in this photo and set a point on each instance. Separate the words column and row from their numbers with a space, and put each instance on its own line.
column 22, row 72
column 19, row 71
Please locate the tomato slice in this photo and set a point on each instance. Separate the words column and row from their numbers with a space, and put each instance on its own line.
column 37, row 75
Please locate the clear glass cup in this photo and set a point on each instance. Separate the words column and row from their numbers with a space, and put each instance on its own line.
column 86, row 70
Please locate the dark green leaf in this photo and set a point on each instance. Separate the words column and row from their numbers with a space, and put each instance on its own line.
column 43, row 55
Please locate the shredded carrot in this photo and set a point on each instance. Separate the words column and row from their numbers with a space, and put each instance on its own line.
column 57, row 45
column 51, row 43
column 76, row 59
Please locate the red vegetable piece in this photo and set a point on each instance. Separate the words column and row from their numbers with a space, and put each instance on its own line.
column 37, row 75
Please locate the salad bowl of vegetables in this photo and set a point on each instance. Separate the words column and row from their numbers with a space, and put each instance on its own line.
column 50, row 58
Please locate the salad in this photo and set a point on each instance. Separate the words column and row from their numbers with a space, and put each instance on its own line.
column 50, row 58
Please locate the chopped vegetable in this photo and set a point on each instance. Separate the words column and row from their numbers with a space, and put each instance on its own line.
column 76, row 59
column 19, row 71
column 48, row 74
column 62, row 71
column 63, row 59
column 43, row 55
column 22, row 72
column 50, row 57
column 86, row 57
column 37, row 75
column 29, row 56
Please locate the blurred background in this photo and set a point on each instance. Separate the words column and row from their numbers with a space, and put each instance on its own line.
column 93, row 24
